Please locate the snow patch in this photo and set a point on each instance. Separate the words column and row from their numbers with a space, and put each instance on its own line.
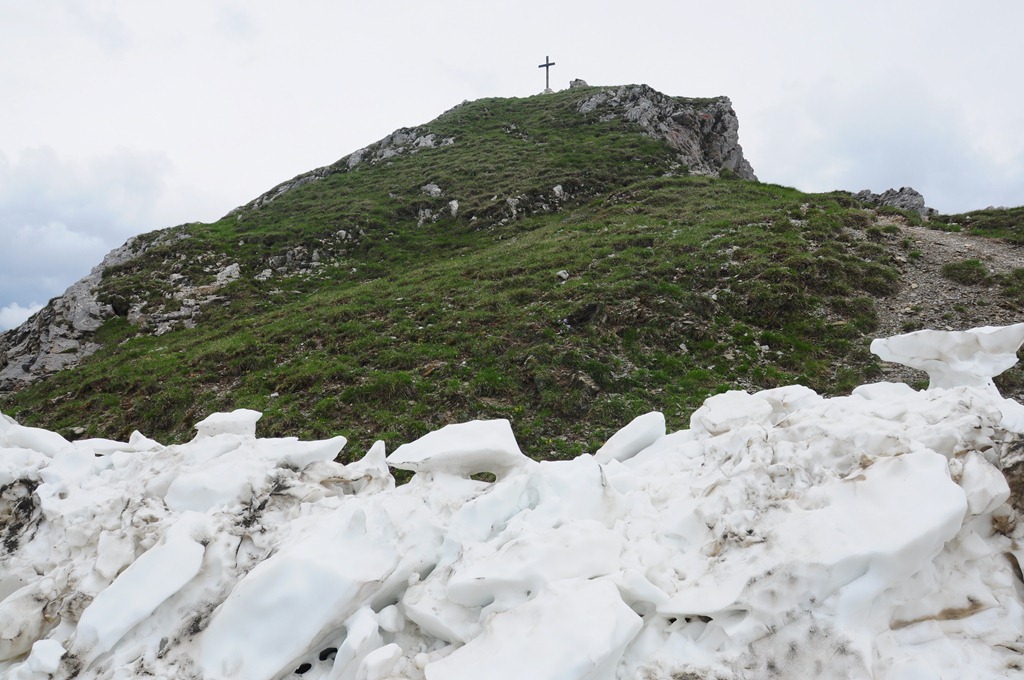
column 784, row 534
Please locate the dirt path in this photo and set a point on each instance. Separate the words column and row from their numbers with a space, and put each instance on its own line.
column 927, row 299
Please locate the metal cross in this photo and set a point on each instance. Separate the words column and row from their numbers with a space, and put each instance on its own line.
column 547, row 72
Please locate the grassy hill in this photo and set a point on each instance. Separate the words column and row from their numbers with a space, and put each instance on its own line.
column 527, row 261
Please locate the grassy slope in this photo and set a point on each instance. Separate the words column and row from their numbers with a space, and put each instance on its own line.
column 1004, row 223
column 410, row 328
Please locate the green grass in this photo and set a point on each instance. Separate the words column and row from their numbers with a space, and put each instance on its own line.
column 1004, row 223
column 967, row 272
column 463, row 324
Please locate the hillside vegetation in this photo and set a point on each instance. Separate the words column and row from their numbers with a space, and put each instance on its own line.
column 563, row 271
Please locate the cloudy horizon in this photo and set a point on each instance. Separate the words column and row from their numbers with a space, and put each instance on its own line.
column 124, row 118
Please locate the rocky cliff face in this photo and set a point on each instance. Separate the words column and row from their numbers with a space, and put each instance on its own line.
column 63, row 333
column 704, row 132
column 60, row 334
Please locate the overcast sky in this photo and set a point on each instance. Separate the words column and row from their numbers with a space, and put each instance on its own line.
column 118, row 117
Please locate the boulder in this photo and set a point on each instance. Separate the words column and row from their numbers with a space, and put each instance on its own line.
column 904, row 198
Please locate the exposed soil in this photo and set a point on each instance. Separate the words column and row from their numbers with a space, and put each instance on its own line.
column 927, row 299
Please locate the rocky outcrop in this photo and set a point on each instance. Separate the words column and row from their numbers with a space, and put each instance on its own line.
column 704, row 132
column 59, row 335
column 904, row 198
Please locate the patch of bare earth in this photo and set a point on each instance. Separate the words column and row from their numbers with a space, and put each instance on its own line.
column 927, row 299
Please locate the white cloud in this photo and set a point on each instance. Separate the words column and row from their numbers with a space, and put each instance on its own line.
column 41, row 261
column 58, row 217
column 110, row 194
column 13, row 315
column 878, row 136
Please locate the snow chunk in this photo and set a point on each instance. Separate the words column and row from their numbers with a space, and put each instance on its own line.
column 577, row 629
column 45, row 657
column 985, row 486
column 291, row 452
column 22, row 620
column 34, row 438
column 142, row 587
column 640, row 433
column 730, row 411
column 241, row 422
column 584, row 549
column 463, row 449
column 222, row 483
column 955, row 358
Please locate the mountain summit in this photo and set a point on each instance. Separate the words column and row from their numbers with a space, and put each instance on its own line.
column 699, row 136
column 703, row 133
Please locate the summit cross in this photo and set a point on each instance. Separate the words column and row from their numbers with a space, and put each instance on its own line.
column 547, row 72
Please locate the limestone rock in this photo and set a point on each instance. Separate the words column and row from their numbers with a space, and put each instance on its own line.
column 577, row 83
column 59, row 335
column 904, row 198
column 228, row 274
column 704, row 132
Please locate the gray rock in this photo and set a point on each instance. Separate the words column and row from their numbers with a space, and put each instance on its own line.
column 513, row 206
column 58, row 336
column 354, row 159
column 431, row 190
column 577, row 83
column 904, row 198
column 228, row 274
column 704, row 132
column 423, row 215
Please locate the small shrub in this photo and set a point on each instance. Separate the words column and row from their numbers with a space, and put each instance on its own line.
column 967, row 272
column 878, row 279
